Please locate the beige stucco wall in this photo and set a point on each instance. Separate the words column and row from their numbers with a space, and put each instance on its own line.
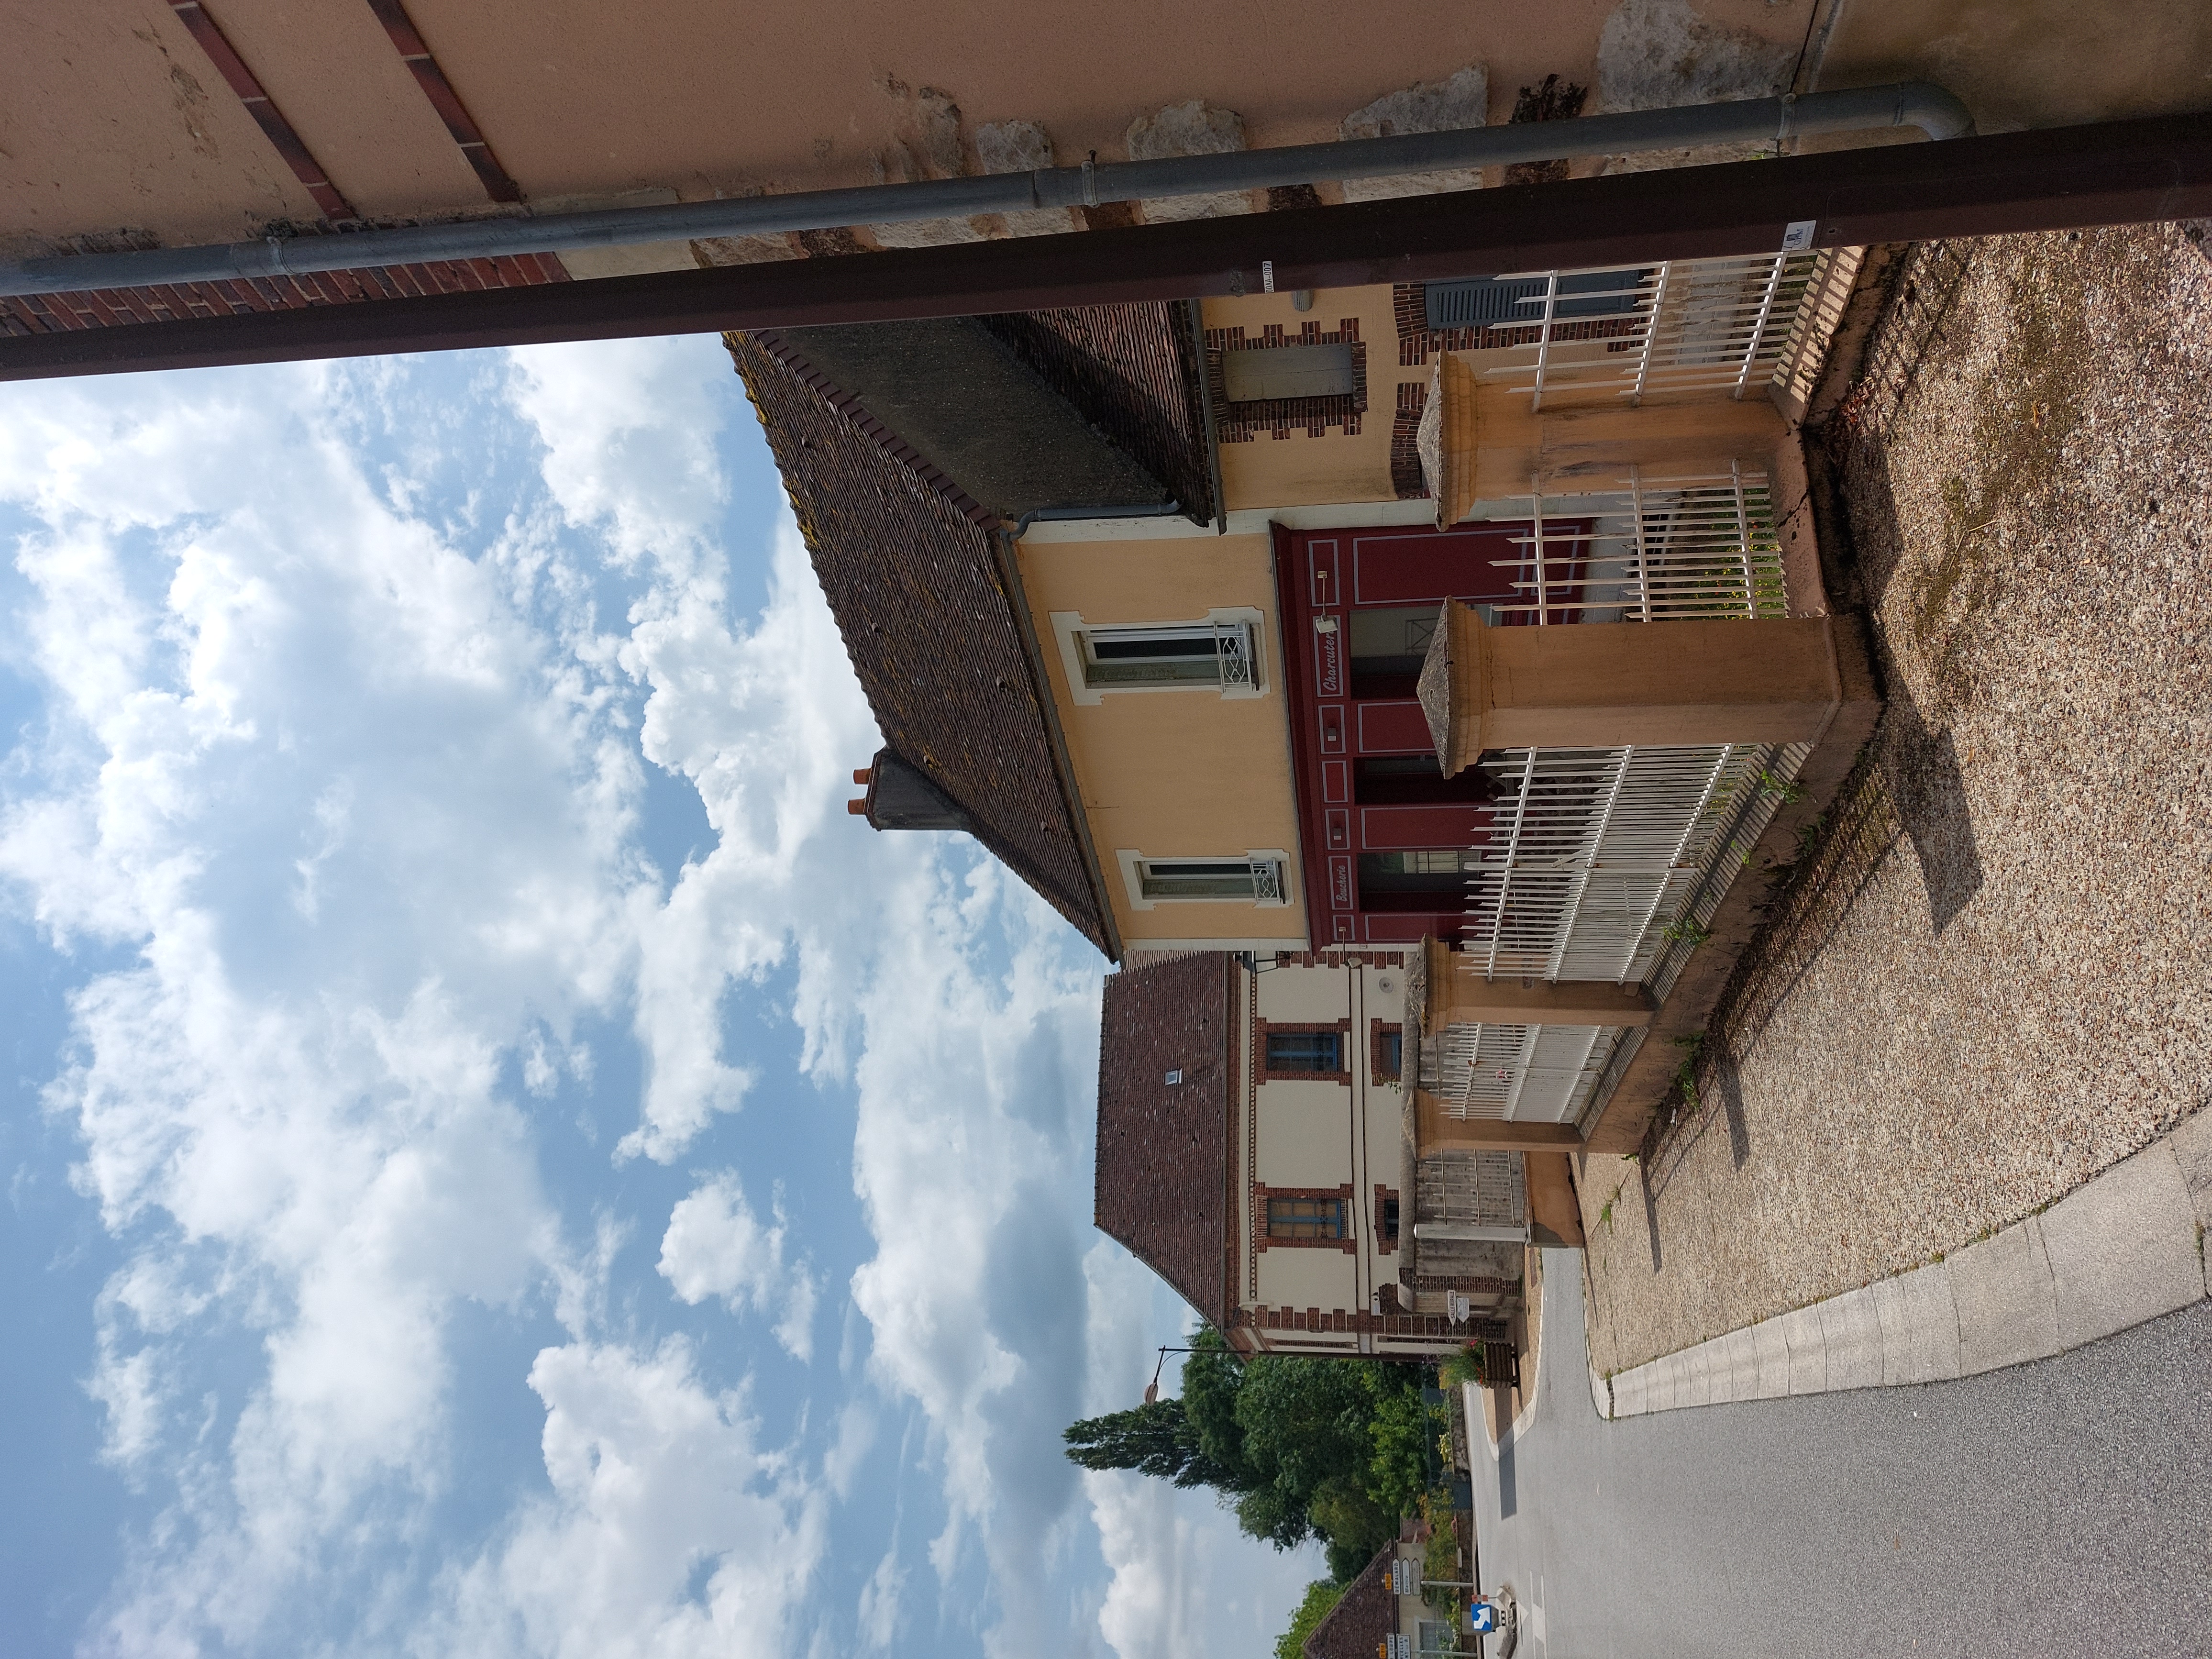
column 1305, row 1132
column 703, row 97
column 1302, row 470
column 1179, row 774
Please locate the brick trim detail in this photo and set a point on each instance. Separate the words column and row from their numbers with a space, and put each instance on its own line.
column 1340, row 957
column 416, row 53
column 1465, row 1282
column 1242, row 423
column 1376, row 1030
column 280, row 132
column 1386, row 1238
column 1341, row 1027
column 1262, row 1240
column 114, row 307
column 1346, row 1320
column 1405, row 477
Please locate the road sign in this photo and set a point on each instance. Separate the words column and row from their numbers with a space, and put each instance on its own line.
column 1482, row 1617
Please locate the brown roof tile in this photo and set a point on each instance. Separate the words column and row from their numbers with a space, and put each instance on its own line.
column 1164, row 1163
column 914, row 578
column 1365, row 1614
column 1134, row 373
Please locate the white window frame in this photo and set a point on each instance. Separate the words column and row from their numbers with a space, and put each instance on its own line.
column 1074, row 637
column 1270, row 891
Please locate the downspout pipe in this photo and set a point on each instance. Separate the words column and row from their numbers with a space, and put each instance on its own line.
column 1918, row 104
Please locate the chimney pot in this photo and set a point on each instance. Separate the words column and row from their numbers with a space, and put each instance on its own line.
column 859, row 808
column 865, row 776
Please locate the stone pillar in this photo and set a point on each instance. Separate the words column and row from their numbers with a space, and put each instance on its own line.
column 1601, row 685
column 1452, row 996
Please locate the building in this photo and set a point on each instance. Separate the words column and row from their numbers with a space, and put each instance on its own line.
column 1486, row 613
column 1257, row 1150
column 1383, row 1614
column 137, row 124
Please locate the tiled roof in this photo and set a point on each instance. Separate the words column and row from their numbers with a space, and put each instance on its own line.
column 1134, row 373
column 1164, row 1163
column 1364, row 1615
column 914, row 578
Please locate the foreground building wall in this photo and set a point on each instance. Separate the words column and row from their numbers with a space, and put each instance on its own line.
column 135, row 121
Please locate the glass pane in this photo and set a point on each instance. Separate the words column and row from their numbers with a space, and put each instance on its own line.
column 1387, row 1051
column 1146, row 648
column 1196, row 878
column 1155, row 670
column 1166, row 656
column 1305, row 1051
column 1305, row 1217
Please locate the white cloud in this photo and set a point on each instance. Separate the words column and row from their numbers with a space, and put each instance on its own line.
column 361, row 804
column 356, row 800
column 1184, row 1579
column 716, row 1247
column 878, row 1612
column 659, row 1485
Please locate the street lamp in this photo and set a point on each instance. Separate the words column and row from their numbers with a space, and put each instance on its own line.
column 1153, row 1388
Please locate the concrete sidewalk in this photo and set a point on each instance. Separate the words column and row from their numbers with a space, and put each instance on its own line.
column 2121, row 1250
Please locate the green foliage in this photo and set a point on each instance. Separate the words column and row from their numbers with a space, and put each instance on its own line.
column 1779, row 788
column 1461, row 1367
column 1158, row 1439
column 1402, row 1430
column 1440, row 1555
column 1298, row 1447
column 1686, row 928
column 1320, row 1595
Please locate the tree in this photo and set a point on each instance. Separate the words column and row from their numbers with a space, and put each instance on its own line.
column 1320, row 1595
column 1298, row 1446
column 1157, row 1438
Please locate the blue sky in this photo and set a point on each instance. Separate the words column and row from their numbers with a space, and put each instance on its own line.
column 497, row 1160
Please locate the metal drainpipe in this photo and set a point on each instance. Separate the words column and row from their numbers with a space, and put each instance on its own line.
column 1934, row 111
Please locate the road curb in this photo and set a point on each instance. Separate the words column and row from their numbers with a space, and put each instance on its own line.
column 2124, row 1248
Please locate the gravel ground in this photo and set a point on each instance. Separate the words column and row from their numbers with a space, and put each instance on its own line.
column 1994, row 979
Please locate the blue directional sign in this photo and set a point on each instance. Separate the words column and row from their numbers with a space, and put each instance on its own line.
column 1482, row 1617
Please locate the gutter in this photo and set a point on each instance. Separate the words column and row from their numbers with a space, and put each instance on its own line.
column 1772, row 121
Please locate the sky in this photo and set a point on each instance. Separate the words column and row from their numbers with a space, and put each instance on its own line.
column 497, row 1160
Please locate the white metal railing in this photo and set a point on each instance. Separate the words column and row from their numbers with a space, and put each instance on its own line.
column 1721, row 325
column 1592, row 853
column 1472, row 1188
column 1530, row 1073
column 1651, row 550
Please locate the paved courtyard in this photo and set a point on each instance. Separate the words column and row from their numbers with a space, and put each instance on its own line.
column 1993, row 978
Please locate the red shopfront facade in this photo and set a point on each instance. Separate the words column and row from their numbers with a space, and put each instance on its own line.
column 1383, row 832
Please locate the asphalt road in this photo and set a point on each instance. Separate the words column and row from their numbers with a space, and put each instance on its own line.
column 2063, row 1507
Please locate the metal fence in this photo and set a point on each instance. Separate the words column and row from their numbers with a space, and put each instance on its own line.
column 1591, row 853
column 1530, row 1073
column 1653, row 550
column 1602, row 865
column 1633, row 332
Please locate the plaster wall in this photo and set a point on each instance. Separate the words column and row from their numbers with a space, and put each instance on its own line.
column 707, row 98
column 1313, row 994
column 1310, row 1278
column 1305, row 1135
column 1176, row 773
column 1300, row 470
